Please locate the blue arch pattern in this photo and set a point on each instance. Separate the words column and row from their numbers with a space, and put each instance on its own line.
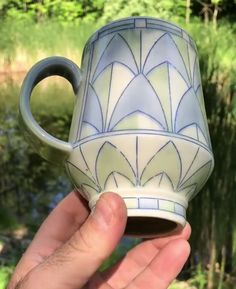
column 168, row 49
column 136, row 87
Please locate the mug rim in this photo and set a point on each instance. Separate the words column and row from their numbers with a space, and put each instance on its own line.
column 151, row 23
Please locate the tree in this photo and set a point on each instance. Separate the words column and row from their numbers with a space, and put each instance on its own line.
column 166, row 9
column 188, row 11
column 216, row 10
column 206, row 11
column 65, row 11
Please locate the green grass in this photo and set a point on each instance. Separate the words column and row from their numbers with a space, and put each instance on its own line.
column 218, row 45
column 24, row 42
column 5, row 273
column 54, row 93
column 234, row 248
column 181, row 285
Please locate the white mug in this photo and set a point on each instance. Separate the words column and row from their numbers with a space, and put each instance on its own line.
column 139, row 126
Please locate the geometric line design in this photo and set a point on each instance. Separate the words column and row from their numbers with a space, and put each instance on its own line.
column 166, row 166
column 157, row 165
column 142, row 78
column 132, row 100
column 144, row 83
column 157, row 204
column 141, row 83
column 117, row 50
column 165, row 49
column 189, row 112
column 152, row 23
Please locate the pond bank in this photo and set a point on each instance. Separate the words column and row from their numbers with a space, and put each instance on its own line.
column 13, row 77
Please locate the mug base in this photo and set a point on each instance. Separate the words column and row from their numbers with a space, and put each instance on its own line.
column 151, row 214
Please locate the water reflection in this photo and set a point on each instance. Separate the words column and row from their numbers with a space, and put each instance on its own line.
column 31, row 187
column 51, row 97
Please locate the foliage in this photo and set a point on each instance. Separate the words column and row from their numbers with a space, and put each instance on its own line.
column 125, row 245
column 24, row 42
column 8, row 220
column 5, row 273
column 64, row 11
column 199, row 279
column 26, row 179
column 212, row 213
column 216, row 51
column 67, row 11
column 181, row 285
column 30, row 187
column 164, row 9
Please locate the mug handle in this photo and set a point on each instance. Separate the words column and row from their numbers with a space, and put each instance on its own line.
column 48, row 146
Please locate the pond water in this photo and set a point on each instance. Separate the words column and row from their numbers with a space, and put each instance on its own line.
column 52, row 96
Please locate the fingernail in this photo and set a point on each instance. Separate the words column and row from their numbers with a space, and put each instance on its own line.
column 103, row 213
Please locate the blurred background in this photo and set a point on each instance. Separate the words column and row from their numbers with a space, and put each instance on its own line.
column 30, row 187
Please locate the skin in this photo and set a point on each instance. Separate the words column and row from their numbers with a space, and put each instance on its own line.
column 71, row 245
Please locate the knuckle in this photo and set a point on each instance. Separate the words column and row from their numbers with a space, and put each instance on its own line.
column 80, row 242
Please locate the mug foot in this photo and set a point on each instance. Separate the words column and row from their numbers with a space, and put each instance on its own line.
column 152, row 214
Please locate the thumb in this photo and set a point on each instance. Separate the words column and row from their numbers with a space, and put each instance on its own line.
column 78, row 259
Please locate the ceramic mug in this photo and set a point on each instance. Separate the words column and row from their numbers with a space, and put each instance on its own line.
column 139, row 126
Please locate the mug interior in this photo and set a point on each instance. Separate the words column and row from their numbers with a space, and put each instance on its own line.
column 149, row 226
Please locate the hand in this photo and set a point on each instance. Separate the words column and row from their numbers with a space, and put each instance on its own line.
column 70, row 246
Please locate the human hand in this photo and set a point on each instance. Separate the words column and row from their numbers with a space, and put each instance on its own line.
column 71, row 245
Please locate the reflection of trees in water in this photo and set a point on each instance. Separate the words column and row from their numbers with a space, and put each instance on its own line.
column 29, row 185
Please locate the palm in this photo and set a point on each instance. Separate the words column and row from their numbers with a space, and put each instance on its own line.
column 151, row 264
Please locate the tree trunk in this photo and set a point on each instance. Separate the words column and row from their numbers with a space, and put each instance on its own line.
column 211, row 272
column 39, row 13
column 214, row 16
column 206, row 16
column 188, row 11
column 206, row 10
column 222, row 267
